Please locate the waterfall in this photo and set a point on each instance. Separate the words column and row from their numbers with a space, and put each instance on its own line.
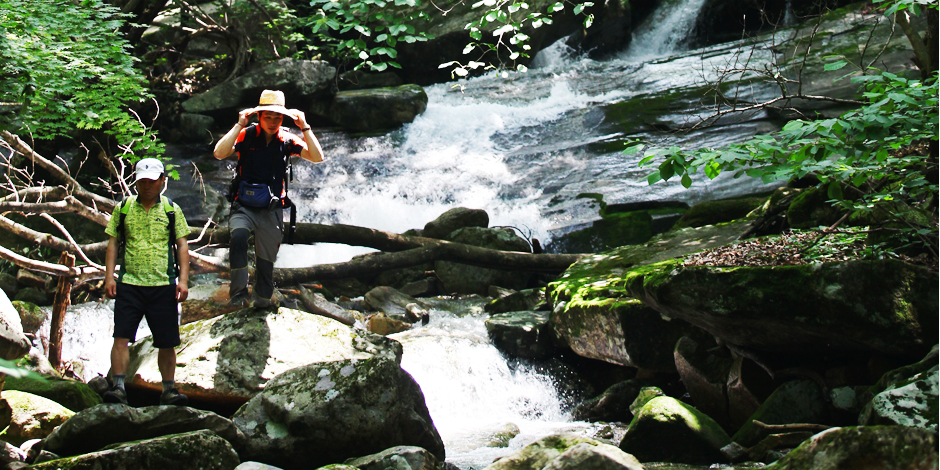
column 665, row 30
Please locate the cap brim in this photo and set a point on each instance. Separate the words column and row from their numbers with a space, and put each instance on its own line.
column 275, row 108
column 148, row 175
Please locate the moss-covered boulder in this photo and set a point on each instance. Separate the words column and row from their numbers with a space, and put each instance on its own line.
column 34, row 417
column 667, row 430
column 810, row 209
column 907, row 396
column 887, row 306
column 630, row 228
column 718, row 211
column 199, row 449
column 613, row 404
column 71, row 394
column 31, row 316
column 798, row 401
column 397, row 457
column 328, row 412
column 525, row 334
column 864, row 447
column 96, row 428
column 564, row 451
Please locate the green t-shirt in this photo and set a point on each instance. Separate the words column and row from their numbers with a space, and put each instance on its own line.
column 147, row 258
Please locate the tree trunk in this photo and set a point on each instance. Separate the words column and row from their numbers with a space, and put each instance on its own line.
column 59, row 307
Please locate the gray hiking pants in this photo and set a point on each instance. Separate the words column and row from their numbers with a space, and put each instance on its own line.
column 267, row 226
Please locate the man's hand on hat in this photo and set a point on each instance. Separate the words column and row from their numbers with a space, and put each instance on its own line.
column 300, row 120
column 243, row 117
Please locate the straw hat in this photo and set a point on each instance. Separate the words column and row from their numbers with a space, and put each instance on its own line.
column 272, row 100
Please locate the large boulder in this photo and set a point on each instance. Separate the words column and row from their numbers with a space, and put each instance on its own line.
column 464, row 279
column 13, row 342
column 906, row 397
column 317, row 414
column 864, row 447
column 378, row 109
column 71, row 394
column 105, row 425
column 228, row 359
column 454, row 219
column 199, row 449
column 525, row 334
column 567, row 452
column 307, row 85
column 885, row 306
column 399, row 457
column 33, row 417
column 667, row 430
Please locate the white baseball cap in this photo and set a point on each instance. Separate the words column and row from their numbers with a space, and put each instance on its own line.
column 149, row 168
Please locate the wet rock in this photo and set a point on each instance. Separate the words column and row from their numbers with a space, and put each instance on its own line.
column 910, row 401
column 71, row 394
column 33, row 417
column 465, row 279
column 322, row 413
column 399, row 457
column 566, row 451
column 885, row 306
column 864, row 447
column 380, row 324
column 612, row 405
column 317, row 304
column 10, row 454
column 719, row 211
column 394, row 304
column 705, row 375
column 797, row 401
column 262, row 466
column 13, row 342
column 521, row 334
column 95, row 428
column 377, row 109
column 454, row 219
column 502, row 437
column 421, row 288
column 8, row 285
column 228, row 359
column 199, row 449
column 195, row 127
column 630, row 228
column 516, row 301
column 668, row 430
column 31, row 316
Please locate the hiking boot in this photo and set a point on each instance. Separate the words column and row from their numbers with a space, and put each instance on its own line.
column 115, row 395
column 173, row 397
column 265, row 303
column 240, row 300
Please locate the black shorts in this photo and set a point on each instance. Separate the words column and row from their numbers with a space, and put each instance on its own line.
column 157, row 303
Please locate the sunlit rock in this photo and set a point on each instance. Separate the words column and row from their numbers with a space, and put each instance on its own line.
column 31, row 316
column 453, row 219
column 199, row 449
column 907, row 396
column 567, row 452
column 33, row 417
column 465, row 279
column 105, row 425
column 881, row 447
column 403, row 457
column 13, row 343
column 667, row 430
column 328, row 412
column 71, row 394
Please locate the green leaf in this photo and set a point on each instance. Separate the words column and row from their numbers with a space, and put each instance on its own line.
column 654, row 177
column 686, row 181
column 835, row 190
column 835, row 65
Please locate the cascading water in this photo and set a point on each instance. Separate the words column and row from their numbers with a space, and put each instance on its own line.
column 665, row 30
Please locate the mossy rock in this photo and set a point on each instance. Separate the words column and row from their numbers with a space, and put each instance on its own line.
column 668, row 430
column 810, row 209
column 34, row 296
column 864, row 447
column 629, row 228
column 798, row 401
column 31, row 316
column 34, row 417
column 718, row 211
column 71, row 394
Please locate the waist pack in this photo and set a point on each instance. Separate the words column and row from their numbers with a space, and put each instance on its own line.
column 257, row 195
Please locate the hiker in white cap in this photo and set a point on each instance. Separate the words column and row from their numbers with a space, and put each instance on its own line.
column 259, row 190
column 149, row 232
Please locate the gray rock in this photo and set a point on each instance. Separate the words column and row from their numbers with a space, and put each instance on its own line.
column 13, row 342
column 911, row 402
column 196, row 127
column 255, row 466
column 101, row 426
column 465, row 279
column 524, row 334
column 453, row 219
column 8, row 285
column 421, row 288
column 526, row 299
column 321, row 413
column 881, row 447
column 394, row 304
column 569, row 452
column 34, row 296
column 667, row 430
column 886, row 306
column 613, row 404
column 31, row 316
column 797, row 401
column 704, row 374
column 378, row 108
column 32, row 417
column 199, row 449
column 398, row 458
column 27, row 278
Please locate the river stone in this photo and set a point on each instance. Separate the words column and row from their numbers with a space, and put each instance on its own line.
column 645, row 395
column 13, row 343
column 704, row 374
column 598, row 456
column 301, row 81
column 33, row 417
column 393, row 303
column 502, row 436
column 629, row 228
column 198, row 449
column 515, row 301
column 101, row 426
column 521, row 334
column 887, row 306
column 465, row 279
column 380, row 324
column 228, row 359
column 892, row 377
column 378, row 109
column 864, row 447
column 71, row 394
column 613, row 404
column 31, row 316
column 551, row 452
column 398, row 457
column 718, row 211
column 454, row 219
column 34, row 296
column 317, row 414
column 667, row 430
column 797, row 401
column 620, row 330
column 911, row 402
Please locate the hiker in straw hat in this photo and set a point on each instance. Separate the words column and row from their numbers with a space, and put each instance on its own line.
column 259, row 190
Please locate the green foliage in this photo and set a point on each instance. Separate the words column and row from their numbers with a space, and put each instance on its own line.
column 508, row 19
column 365, row 31
column 64, row 66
